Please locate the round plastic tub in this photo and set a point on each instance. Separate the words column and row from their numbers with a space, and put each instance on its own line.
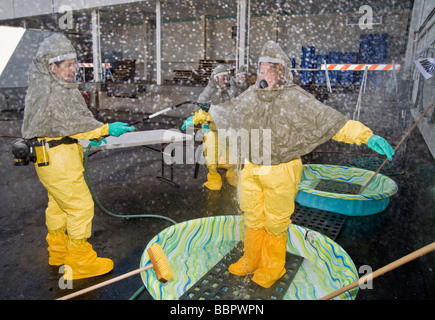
column 193, row 247
column 373, row 199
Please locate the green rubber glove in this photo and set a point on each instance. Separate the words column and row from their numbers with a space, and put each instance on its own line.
column 119, row 128
column 205, row 128
column 381, row 146
column 205, row 106
column 187, row 123
column 96, row 143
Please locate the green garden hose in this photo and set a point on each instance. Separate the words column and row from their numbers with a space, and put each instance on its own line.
column 97, row 201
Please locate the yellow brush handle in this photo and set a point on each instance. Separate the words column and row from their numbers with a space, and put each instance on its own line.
column 105, row 283
column 393, row 265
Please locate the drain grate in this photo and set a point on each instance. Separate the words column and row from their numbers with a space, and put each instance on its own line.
column 220, row 284
column 324, row 222
column 334, row 186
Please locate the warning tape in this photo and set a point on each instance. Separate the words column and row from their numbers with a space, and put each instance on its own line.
column 91, row 65
column 361, row 67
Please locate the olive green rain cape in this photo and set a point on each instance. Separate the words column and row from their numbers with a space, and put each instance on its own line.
column 298, row 122
column 54, row 108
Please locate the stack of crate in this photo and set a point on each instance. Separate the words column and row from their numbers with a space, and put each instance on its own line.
column 125, row 71
column 206, row 68
column 183, row 75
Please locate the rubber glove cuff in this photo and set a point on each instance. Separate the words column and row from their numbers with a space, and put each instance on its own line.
column 119, row 128
column 381, row 146
column 96, row 143
column 187, row 123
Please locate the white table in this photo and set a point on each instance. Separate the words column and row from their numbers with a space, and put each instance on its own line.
column 143, row 138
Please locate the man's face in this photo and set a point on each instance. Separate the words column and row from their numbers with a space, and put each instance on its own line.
column 241, row 78
column 66, row 71
column 273, row 73
column 222, row 80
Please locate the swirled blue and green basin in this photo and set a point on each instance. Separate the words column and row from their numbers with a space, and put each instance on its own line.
column 373, row 199
column 193, row 247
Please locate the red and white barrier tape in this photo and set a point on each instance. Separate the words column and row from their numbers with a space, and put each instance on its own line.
column 361, row 67
column 91, row 65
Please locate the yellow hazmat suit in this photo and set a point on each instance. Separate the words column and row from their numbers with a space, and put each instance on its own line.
column 71, row 208
column 53, row 110
column 215, row 92
column 298, row 124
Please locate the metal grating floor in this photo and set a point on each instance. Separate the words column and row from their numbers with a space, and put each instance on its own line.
column 324, row 222
column 219, row 283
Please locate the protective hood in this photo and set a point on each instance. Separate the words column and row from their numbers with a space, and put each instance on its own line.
column 54, row 108
column 212, row 92
column 295, row 120
column 220, row 68
column 237, row 87
column 242, row 69
column 272, row 52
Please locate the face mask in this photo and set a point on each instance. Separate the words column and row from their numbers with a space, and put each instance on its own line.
column 263, row 84
column 273, row 74
column 222, row 80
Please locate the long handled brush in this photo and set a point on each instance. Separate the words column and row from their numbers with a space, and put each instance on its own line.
column 393, row 265
column 159, row 263
column 397, row 147
column 203, row 105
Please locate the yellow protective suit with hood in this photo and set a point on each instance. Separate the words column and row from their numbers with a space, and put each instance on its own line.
column 297, row 123
column 214, row 94
column 53, row 110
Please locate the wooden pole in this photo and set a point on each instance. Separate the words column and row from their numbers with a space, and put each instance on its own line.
column 412, row 256
column 105, row 283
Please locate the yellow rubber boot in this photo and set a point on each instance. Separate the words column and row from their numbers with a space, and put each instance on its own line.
column 57, row 247
column 83, row 262
column 272, row 262
column 232, row 177
column 250, row 260
column 214, row 181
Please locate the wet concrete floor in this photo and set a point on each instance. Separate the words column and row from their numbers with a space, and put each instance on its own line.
column 125, row 182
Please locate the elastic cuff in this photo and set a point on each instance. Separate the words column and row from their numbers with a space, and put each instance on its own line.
column 278, row 234
column 367, row 137
column 56, row 232
column 201, row 116
column 105, row 130
column 353, row 132
column 76, row 242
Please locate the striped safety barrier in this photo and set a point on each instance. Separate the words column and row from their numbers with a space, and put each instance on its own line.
column 361, row 67
column 91, row 65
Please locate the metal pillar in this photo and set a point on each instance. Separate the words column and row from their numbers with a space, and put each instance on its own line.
column 243, row 25
column 96, row 45
column 242, row 33
column 145, row 51
column 204, row 36
column 159, row 43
